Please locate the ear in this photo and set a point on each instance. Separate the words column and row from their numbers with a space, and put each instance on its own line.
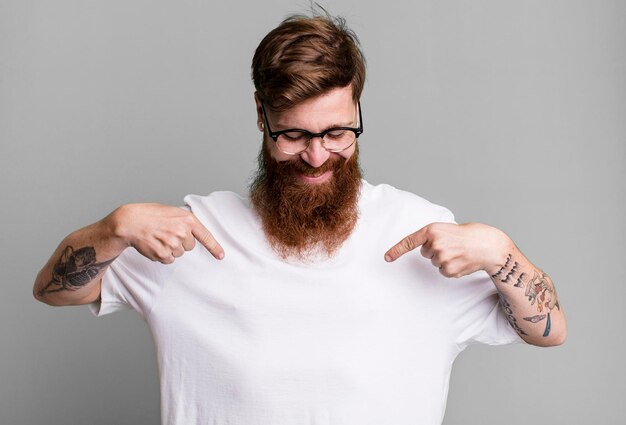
column 259, row 109
column 260, row 122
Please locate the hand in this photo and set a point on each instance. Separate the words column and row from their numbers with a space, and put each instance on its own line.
column 162, row 232
column 457, row 249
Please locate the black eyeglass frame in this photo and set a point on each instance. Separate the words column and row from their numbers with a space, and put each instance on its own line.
column 274, row 134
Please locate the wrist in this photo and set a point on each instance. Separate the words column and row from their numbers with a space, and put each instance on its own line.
column 502, row 250
column 117, row 225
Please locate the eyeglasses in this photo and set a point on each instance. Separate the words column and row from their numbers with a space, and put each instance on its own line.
column 295, row 140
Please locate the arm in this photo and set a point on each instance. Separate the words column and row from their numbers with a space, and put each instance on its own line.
column 161, row 233
column 527, row 295
column 528, row 298
column 73, row 274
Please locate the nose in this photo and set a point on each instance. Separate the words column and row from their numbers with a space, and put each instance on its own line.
column 315, row 154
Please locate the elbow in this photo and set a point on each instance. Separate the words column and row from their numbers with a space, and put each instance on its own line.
column 554, row 340
column 560, row 338
column 65, row 298
column 40, row 294
column 41, row 297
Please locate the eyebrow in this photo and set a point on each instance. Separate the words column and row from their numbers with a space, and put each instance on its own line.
column 284, row 127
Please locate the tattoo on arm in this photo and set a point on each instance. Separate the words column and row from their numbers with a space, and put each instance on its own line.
column 509, row 269
column 539, row 290
column 512, row 272
column 535, row 319
column 520, row 280
column 503, row 268
column 506, row 307
column 74, row 270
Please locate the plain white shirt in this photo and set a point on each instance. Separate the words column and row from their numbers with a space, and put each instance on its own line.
column 255, row 340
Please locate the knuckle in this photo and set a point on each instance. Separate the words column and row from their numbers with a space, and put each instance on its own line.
column 208, row 240
column 185, row 221
column 190, row 218
column 444, row 259
column 211, row 243
column 181, row 231
column 202, row 238
column 190, row 245
column 436, row 245
column 408, row 244
column 173, row 243
column 163, row 254
column 453, row 271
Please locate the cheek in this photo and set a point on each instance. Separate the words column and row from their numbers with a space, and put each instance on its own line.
column 348, row 152
column 274, row 152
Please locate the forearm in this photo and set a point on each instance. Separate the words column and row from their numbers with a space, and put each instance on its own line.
column 527, row 295
column 72, row 275
column 529, row 299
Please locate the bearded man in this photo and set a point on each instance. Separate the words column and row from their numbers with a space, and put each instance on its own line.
column 307, row 318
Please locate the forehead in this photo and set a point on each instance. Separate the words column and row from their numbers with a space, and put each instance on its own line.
column 335, row 108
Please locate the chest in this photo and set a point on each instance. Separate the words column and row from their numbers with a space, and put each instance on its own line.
column 283, row 311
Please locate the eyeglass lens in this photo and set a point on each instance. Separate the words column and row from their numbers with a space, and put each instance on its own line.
column 298, row 141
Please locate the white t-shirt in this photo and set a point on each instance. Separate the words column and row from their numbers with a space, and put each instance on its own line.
column 353, row 340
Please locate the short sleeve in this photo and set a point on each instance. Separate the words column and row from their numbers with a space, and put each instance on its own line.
column 476, row 312
column 447, row 216
column 478, row 316
column 131, row 281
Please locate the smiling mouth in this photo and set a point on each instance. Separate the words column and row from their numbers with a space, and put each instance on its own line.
column 318, row 178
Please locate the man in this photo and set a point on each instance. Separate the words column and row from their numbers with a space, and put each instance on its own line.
column 320, row 309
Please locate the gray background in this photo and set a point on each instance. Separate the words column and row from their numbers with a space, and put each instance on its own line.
column 508, row 112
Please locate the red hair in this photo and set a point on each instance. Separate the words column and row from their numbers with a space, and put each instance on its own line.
column 305, row 57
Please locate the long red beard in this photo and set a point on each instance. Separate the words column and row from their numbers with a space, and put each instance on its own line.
column 301, row 219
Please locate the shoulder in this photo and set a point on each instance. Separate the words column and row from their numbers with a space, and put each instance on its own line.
column 223, row 206
column 224, row 212
column 223, row 198
column 387, row 198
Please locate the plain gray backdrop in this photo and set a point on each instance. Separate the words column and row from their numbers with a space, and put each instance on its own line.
column 510, row 113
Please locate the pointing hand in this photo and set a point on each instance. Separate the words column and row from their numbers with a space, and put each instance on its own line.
column 162, row 232
column 456, row 249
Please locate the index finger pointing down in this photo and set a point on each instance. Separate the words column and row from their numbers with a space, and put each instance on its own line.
column 204, row 236
column 407, row 244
